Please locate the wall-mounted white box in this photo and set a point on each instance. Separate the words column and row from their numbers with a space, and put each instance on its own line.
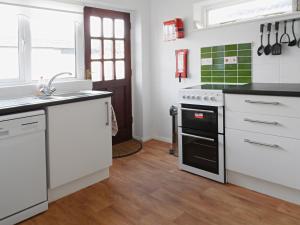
column 230, row 60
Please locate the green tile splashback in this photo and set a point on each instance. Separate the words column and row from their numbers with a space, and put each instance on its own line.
column 229, row 73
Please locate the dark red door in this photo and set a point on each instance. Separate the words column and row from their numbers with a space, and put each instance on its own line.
column 108, row 61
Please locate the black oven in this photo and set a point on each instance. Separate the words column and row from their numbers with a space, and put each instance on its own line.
column 201, row 141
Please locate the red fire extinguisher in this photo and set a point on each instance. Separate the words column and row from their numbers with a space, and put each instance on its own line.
column 181, row 63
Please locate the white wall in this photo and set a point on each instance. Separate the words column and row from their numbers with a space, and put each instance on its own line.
column 276, row 69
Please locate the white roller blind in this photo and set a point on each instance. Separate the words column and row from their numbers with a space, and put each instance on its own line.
column 247, row 10
column 9, row 58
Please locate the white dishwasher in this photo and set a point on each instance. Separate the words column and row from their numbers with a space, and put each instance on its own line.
column 23, row 181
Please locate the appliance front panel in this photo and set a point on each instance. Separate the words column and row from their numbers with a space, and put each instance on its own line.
column 207, row 170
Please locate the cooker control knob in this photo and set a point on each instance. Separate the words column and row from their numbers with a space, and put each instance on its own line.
column 198, row 97
column 188, row 97
column 206, row 98
column 213, row 98
column 183, row 96
column 193, row 97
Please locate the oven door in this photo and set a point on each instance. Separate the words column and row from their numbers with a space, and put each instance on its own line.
column 202, row 155
column 200, row 152
column 204, row 119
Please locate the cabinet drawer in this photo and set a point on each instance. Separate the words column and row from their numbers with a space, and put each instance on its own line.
column 266, row 157
column 271, row 105
column 274, row 125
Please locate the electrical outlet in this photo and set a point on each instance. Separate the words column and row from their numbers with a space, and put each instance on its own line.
column 207, row 62
column 230, row 60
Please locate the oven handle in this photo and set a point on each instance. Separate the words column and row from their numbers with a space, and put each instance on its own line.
column 198, row 137
column 198, row 110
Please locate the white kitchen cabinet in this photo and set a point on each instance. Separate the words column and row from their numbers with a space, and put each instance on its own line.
column 269, row 105
column 266, row 124
column 271, row 158
column 79, row 140
column 262, row 138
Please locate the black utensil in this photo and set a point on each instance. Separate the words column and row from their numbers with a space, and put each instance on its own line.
column 268, row 48
column 261, row 48
column 293, row 42
column 298, row 43
column 285, row 35
column 276, row 48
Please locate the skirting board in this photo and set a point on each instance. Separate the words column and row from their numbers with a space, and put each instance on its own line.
column 77, row 185
column 264, row 187
column 25, row 214
column 163, row 139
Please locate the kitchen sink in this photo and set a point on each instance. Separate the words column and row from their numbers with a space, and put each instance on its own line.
column 46, row 98
column 42, row 99
column 71, row 95
column 62, row 96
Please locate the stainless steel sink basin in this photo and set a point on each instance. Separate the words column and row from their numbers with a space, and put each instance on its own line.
column 62, row 96
column 71, row 95
column 42, row 99
column 46, row 98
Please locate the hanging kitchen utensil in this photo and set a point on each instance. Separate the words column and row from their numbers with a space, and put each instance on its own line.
column 298, row 43
column 268, row 48
column 276, row 48
column 285, row 37
column 260, row 50
column 293, row 42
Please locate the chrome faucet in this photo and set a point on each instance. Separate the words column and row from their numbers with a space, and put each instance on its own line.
column 48, row 89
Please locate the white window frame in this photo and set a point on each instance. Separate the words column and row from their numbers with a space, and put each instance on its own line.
column 201, row 12
column 24, row 47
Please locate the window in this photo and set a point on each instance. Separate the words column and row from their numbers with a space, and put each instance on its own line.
column 109, row 33
column 209, row 13
column 37, row 42
column 9, row 66
column 53, row 44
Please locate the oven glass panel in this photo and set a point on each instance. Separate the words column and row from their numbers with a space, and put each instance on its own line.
column 201, row 118
column 201, row 154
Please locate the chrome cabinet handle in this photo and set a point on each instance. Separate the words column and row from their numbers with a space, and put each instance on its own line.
column 197, row 110
column 261, row 122
column 198, row 137
column 261, row 144
column 262, row 102
column 28, row 124
column 107, row 113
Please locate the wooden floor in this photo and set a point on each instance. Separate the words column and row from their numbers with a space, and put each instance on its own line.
column 148, row 189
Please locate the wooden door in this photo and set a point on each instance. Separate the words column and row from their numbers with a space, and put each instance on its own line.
column 108, row 61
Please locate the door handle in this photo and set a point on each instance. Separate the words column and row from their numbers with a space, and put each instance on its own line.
column 107, row 113
column 198, row 137
column 262, row 102
column 261, row 122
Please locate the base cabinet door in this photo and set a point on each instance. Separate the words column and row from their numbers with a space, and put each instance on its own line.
column 79, row 140
column 267, row 157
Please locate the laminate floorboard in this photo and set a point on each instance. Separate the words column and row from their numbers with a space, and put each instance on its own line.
column 148, row 189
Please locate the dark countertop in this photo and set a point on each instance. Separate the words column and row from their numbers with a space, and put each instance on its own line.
column 18, row 105
column 292, row 90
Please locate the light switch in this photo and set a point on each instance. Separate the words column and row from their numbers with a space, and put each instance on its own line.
column 231, row 60
column 207, row 62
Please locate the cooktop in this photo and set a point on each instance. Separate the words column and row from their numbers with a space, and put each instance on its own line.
column 213, row 86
